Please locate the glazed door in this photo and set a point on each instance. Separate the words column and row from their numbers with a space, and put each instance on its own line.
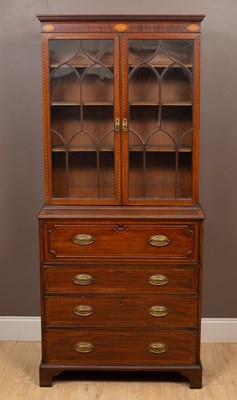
column 85, row 145
column 158, row 120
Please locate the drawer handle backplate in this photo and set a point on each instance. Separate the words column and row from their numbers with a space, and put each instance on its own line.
column 158, row 311
column 83, row 239
column 158, row 280
column 83, row 279
column 83, row 310
column 159, row 240
column 157, row 347
column 83, row 347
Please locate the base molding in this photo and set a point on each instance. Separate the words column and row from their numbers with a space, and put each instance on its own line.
column 191, row 372
column 214, row 330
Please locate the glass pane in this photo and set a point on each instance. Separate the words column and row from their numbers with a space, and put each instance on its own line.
column 160, row 175
column 136, row 177
column 82, row 118
column 59, row 174
column 143, row 86
column 184, row 179
column 82, row 179
column 97, row 85
column 160, row 99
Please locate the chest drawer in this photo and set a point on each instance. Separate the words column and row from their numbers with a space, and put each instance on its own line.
column 163, row 241
column 91, row 310
column 104, row 347
column 118, row 279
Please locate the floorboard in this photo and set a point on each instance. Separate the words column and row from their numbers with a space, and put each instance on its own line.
column 19, row 364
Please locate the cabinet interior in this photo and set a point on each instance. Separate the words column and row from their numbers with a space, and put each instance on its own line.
column 159, row 110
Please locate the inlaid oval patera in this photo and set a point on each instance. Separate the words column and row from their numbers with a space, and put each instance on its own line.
column 193, row 28
column 48, row 28
column 121, row 27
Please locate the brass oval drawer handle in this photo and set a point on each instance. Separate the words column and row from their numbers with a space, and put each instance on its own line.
column 83, row 279
column 83, row 239
column 158, row 311
column 83, row 310
column 159, row 240
column 158, row 280
column 157, row 347
column 83, row 347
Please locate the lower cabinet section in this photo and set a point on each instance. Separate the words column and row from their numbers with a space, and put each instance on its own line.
column 121, row 296
column 121, row 347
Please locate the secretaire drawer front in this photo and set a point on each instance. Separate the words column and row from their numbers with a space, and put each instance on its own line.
column 118, row 311
column 117, row 279
column 102, row 347
column 173, row 241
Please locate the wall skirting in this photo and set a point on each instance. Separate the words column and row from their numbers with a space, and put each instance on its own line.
column 214, row 330
column 219, row 330
column 20, row 328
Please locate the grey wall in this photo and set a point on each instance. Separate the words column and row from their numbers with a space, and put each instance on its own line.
column 21, row 144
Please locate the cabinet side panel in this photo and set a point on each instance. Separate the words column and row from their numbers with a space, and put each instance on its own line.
column 46, row 117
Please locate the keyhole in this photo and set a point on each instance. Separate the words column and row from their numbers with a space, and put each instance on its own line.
column 120, row 227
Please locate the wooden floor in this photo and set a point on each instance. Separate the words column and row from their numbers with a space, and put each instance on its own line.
column 19, row 363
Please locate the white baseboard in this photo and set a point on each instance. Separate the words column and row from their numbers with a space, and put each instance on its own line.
column 20, row 328
column 214, row 330
column 219, row 330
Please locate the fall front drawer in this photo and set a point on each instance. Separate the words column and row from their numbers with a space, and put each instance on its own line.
column 91, row 310
column 118, row 279
column 101, row 347
column 173, row 241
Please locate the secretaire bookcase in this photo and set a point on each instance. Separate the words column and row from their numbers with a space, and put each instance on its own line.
column 121, row 228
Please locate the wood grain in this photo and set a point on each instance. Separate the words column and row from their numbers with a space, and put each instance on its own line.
column 141, row 171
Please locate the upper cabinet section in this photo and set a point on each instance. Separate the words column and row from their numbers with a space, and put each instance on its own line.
column 121, row 109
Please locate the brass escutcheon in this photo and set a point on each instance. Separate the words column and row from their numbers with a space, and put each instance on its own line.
column 120, row 227
column 117, row 125
column 125, row 125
